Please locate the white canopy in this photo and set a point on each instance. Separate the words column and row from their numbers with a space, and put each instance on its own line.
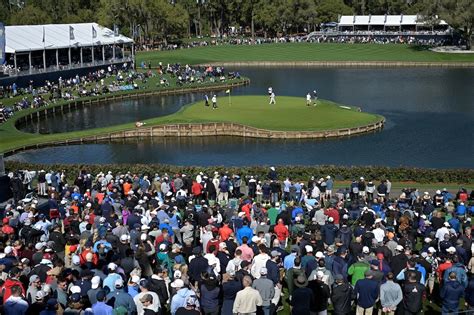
column 24, row 38
column 387, row 20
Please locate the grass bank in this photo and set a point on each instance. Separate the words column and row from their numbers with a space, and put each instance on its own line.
column 302, row 52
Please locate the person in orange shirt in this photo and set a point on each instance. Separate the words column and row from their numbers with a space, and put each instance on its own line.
column 246, row 208
column 281, row 232
column 127, row 186
column 225, row 232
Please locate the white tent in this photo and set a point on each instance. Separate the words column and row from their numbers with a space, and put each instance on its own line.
column 55, row 47
column 23, row 38
column 385, row 20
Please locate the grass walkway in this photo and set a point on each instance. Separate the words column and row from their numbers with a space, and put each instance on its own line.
column 301, row 52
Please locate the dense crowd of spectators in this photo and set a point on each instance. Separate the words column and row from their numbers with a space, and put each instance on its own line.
column 223, row 243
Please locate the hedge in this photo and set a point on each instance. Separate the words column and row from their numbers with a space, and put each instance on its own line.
column 401, row 174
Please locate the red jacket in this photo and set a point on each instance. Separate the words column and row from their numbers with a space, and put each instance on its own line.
column 281, row 231
column 7, row 288
column 225, row 232
column 333, row 213
column 196, row 189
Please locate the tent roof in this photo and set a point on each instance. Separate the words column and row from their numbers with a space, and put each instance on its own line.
column 388, row 20
column 377, row 20
column 22, row 38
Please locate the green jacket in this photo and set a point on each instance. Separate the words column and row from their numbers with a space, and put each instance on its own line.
column 357, row 271
column 272, row 215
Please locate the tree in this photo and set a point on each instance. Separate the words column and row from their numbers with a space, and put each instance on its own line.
column 459, row 14
column 30, row 15
column 329, row 10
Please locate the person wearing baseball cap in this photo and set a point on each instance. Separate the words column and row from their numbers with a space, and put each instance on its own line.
column 141, row 300
column 265, row 288
column 121, row 298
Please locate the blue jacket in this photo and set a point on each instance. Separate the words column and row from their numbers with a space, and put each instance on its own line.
column 329, row 232
column 244, row 231
column 461, row 275
column 15, row 306
column 339, row 267
column 273, row 271
column 367, row 291
column 451, row 293
column 179, row 299
column 209, row 298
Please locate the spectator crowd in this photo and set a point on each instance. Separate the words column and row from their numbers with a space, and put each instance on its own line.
column 224, row 243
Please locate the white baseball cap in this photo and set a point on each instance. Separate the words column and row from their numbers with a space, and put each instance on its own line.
column 95, row 282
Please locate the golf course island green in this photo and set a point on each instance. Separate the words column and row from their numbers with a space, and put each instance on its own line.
column 288, row 114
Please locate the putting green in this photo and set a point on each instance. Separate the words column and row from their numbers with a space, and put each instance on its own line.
column 289, row 113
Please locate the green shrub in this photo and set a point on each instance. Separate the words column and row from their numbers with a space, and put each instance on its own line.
column 402, row 174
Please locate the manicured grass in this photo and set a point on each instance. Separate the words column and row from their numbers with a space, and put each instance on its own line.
column 301, row 52
column 289, row 113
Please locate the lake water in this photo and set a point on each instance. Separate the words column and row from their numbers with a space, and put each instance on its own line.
column 429, row 112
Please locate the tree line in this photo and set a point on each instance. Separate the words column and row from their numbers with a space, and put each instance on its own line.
column 167, row 20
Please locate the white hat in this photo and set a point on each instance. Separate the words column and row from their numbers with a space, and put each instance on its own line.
column 95, row 282
column 255, row 239
column 378, row 220
column 400, row 248
column 8, row 250
column 331, row 219
column 119, row 283
column 319, row 274
column 177, row 274
column 88, row 205
column 319, row 255
column 423, row 217
column 75, row 289
column 40, row 295
column 178, row 283
column 328, row 177
column 102, row 220
column 63, row 202
column 308, row 248
column 446, row 224
column 365, row 250
column 427, row 239
column 145, row 227
column 162, row 246
column 39, row 245
column 143, row 237
column 263, row 271
column 76, row 260
column 241, row 214
column 134, row 279
column 438, row 192
column 451, row 249
column 112, row 266
column 272, row 168
column 431, row 250
column 124, row 237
